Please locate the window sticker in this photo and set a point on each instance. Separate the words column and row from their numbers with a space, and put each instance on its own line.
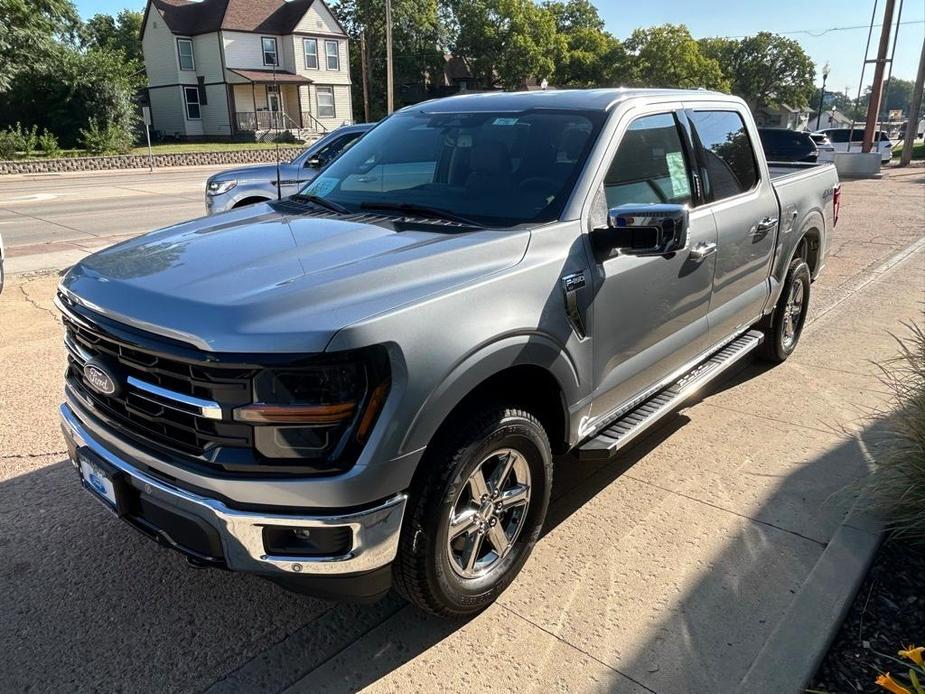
column 504, row 121
column 322, row 186
column 680, row 186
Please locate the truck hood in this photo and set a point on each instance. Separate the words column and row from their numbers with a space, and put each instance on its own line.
column 263, row 172
column 257, row 280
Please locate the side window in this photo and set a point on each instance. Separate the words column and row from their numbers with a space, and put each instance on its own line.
column 728, row 158
column 311, row 53
column 193, row 111
column 650, row 165
column 270, row 53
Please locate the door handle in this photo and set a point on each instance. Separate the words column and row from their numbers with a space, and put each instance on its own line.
column 765, row 224
column 702, row 250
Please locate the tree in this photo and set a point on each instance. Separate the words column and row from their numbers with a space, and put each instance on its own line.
column 668, row 56
column 764, row 69
column 418, row 31
column 505, row 42
column 29, row 30
column 119, row 33
column 73, row 89
column 587, row 56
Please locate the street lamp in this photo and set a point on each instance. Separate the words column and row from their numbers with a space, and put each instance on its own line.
column 825, row 75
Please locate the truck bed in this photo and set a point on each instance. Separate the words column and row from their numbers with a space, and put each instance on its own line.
column 795, row 170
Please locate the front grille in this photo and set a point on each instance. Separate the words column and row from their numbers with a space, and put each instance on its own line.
column 145, row 414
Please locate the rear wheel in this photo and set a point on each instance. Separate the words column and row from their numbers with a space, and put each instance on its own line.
column 476, row 513
column 783, row 328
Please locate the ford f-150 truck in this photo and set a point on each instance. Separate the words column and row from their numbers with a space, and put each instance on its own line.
column 364, row 385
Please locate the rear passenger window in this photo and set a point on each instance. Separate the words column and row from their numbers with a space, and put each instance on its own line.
column 728, row 157
column 649, row 165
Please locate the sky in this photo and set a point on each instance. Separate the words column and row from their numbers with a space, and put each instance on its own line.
column 843, row 50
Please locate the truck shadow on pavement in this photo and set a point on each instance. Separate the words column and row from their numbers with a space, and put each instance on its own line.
column 88, row 604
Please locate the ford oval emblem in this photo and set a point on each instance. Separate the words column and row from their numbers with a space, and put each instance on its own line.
column 99, row 378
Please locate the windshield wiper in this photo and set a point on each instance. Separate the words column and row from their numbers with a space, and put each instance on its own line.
column 321, row 202
column 433, row 212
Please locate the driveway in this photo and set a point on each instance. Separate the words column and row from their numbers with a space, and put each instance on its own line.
column 665, row 570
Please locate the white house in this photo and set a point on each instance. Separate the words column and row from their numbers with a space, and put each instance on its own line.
column 220, row 68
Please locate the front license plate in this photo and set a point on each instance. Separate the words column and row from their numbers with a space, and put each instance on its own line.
column 98, row 480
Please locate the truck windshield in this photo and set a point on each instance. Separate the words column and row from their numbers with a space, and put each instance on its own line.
column 493, row 169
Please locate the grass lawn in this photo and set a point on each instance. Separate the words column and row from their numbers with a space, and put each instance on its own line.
column 918, row 150
column 184, row 147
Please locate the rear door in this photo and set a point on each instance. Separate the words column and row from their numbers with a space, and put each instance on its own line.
column 744, row 206
column 649, row 313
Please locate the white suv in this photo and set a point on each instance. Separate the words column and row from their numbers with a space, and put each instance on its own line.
column 843, row 138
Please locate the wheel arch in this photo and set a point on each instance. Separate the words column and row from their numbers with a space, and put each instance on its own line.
column 251, row 200
column 533, row 372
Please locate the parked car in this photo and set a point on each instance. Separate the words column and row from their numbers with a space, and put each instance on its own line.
column 252, row 184
column 2, row 256
column 824, row 147
column 843, row 138
column 781, row 144
column 370, row 390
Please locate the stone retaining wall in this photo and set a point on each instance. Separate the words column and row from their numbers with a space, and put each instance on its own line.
column 136, row 161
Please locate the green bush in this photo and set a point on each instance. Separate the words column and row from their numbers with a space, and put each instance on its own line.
column 15, row 140
column 897, row 484
column 48, row 144
column 105, row 138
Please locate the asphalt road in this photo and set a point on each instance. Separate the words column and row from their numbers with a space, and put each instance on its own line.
column 51, row 209
column 666, row 570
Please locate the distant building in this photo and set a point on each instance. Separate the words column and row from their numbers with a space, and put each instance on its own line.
column 224, row 68
column 832, row 118
column 782, row 116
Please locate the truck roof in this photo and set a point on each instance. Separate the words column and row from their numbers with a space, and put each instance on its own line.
column 574, row 99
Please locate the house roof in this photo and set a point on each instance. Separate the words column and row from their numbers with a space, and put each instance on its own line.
column 267, row 77
column 191, row 17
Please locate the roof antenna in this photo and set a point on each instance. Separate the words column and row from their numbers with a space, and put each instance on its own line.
column 276, row 118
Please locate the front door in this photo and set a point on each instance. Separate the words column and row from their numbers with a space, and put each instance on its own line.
column 650, row 313
column 745, row 210
column 274, row 105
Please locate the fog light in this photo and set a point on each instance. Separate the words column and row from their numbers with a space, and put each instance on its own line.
column 307, row 542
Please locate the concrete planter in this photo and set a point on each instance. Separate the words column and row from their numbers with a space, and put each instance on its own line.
column 857, row 164
column 135, row 161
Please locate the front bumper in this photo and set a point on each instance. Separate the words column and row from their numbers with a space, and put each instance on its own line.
column 240, row 534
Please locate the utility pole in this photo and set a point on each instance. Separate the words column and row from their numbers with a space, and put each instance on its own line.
column 876, row 91
column 364, row 68
column 915, row 111
column 389, row 79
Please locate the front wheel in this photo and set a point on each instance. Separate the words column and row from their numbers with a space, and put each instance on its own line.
column 782, row 329
column 475, row 514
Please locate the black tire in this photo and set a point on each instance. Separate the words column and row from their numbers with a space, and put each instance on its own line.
column 422, row 571
column 781, row 335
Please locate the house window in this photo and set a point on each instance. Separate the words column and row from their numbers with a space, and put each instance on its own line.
column 270, row 55
column 331, row 55
column 325, row 102
column 311, row 53
column 193, row 111
column 185, row 53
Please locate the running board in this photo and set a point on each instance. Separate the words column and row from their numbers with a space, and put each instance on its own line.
column 626, row 428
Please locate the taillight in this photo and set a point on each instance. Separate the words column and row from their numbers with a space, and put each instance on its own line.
column 836, row 203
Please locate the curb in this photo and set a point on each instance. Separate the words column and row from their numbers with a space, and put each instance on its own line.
column 792, row 653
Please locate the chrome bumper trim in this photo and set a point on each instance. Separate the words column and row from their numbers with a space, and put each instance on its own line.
column 375, row 531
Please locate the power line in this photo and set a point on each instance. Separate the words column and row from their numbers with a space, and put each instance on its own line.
column 817, row 34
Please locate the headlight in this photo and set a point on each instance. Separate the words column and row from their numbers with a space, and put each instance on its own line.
column 220, row 187
column 322, row 411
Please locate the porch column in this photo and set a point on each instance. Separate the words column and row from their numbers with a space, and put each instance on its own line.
column 254, row 95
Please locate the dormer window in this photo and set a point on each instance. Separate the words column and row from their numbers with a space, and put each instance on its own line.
column 185, row 54
column 270, row 53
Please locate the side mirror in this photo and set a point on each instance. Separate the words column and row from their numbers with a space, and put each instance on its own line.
column 643, row 230
column 314, row 163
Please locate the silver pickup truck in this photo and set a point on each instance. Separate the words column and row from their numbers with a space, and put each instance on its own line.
column 364, row 385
